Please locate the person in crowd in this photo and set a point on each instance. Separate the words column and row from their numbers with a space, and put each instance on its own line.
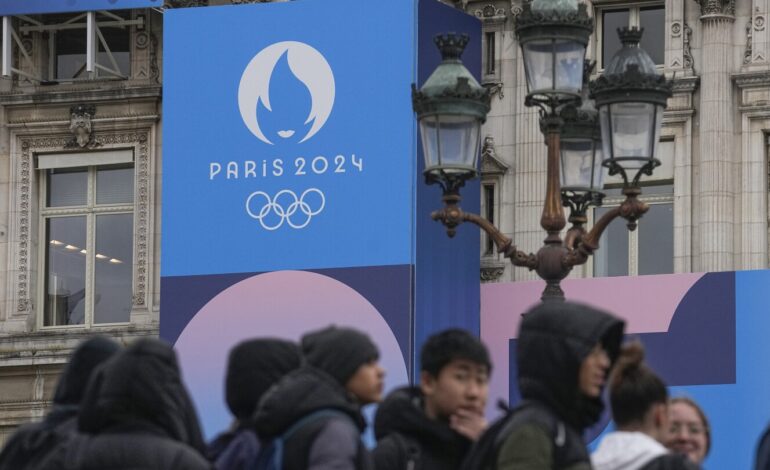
column 316, row 410
column 252, row 368
column 690, row 433
column 639, row 403
column 136, row 413
column 564, row 354
column 433, row 426
column 31, row 443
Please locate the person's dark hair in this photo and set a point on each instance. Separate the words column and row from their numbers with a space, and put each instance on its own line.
column 634, row 387
column 449, row 345
column 700, row 413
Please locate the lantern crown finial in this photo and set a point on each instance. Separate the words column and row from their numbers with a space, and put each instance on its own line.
column 451, row 45
column 630, row 37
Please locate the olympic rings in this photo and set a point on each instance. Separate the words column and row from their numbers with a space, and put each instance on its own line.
column 273, row 205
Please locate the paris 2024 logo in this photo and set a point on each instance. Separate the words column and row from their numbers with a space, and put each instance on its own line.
column 301, row 64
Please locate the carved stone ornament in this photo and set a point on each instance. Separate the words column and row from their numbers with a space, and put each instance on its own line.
column 689, row 62
column 717, row 7
column 80, row 125
column 491, row 269
column 516, row 9
column 749, row 47
column 186, row 3
column 676, row 29
column 490, row 12
column 495, row 88
column 491, row 165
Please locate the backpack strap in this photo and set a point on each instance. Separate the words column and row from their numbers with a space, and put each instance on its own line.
column 273, row 456
column 410, row 449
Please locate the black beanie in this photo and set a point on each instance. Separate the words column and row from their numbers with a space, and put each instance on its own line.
column 253, row 367
column 82, row 363
column 338, row 351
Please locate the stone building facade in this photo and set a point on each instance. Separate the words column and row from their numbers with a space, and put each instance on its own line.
column 60, row 125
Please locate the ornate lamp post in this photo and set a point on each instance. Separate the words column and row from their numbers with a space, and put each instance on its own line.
column 630, row 98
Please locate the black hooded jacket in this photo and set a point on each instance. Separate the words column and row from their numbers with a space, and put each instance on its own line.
column 331, row 442
column 136, row 414
column 31, row 443
column 554, row 339
column 402, row 428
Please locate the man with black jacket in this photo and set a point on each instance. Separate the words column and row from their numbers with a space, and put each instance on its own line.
column 433, row 426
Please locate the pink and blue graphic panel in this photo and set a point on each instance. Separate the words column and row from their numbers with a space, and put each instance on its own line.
column 705, row 334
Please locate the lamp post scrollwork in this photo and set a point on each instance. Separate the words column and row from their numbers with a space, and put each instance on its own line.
column 613, row 123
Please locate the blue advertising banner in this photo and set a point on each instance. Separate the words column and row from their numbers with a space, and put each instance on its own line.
column 29, row 7
column 276, row 163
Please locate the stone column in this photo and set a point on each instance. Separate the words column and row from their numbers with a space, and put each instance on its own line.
column 716, row 138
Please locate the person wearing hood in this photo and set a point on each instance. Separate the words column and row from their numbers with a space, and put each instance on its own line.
column 564, row 353
column 434, row 425
column 639, row 403
column 252, row 368
column 30, row 444
column 136, row 413
column 341, row 375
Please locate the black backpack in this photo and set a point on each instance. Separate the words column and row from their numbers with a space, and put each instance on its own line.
column 483, row 454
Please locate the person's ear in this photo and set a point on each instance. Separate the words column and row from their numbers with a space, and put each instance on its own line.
column 427, row 383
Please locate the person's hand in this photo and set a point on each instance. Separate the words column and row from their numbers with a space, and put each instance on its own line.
column 469, row 423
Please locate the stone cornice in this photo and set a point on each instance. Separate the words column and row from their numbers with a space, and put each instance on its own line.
column 52, row 95
column 686, row 84
column 751, row 79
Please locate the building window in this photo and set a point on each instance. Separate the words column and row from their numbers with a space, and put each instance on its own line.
column 489, row 213
column 647, row 250
column 650, row 17
column 490, row 53
column 87, row 218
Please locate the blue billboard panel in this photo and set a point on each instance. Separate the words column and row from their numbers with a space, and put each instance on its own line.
column 29, row 7
column 286, row 145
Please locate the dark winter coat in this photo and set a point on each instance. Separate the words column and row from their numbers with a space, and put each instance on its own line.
column 554, row 339
column 234, row 450
column 763, row 451
column 405, row 433
column 31, row 443
column 332, row 442
column 136, row 414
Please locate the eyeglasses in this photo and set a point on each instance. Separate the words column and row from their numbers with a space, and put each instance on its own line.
column 693, row 429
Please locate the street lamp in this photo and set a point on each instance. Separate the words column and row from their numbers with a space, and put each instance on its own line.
column 629, row 97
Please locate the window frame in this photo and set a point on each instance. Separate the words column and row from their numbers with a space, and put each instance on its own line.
column 633, row 20
column 90, row 210
column 633, row 236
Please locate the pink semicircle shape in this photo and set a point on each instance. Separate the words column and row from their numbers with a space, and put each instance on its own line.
column 281, row 304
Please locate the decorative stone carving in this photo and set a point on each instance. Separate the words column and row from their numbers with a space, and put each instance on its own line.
column 80, row 125
column 29, row 146
column 759, row 23
column 676, row 29
column 491, row 165
column 142, row 39
column 748, row 52
column 689, row 62
column 154, row 69
column 516, row 9
column 186, row 3
column 495, row 88
column 490, row 12
column 717, row 7
column 491, row 273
